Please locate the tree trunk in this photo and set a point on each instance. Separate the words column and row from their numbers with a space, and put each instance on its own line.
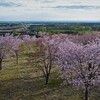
column 0, row 64
column 86, row 93
column 47, row 79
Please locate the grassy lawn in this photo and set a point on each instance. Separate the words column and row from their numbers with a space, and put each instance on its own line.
column 25, row 82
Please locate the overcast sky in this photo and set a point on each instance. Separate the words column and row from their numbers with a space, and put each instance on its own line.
column 50, row 10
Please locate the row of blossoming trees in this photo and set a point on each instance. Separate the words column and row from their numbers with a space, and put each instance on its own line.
column 76, row 57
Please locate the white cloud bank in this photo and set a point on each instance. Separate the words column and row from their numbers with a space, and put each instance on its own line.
column 49, row 10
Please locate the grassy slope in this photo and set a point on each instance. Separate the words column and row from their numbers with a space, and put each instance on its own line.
column 24, row 82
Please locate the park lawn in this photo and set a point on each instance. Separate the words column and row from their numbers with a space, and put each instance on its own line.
column 26, row 82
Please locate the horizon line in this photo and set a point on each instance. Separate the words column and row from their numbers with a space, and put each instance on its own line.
column 50, row 21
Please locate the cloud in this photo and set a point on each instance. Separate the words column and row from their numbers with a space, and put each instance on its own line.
column 76, row 7
column 76, row 2
column 48, row 1
column 9, row 4
column 49, row 10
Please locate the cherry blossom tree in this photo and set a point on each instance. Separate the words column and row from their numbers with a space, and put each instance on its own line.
column 79, row 64
column 17, row 47
column 7, row 43
column 43, row 56
column 84, row 38
column 28, row 42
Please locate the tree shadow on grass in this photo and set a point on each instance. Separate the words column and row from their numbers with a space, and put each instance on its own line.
column 26, row 88
column 23, row 88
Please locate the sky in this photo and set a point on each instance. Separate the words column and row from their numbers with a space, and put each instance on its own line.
column 50, row 10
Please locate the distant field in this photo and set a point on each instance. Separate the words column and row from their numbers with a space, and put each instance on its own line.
column 25, row 82
column 49, row 27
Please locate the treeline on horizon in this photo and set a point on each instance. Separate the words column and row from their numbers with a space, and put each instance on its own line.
column 49, row 27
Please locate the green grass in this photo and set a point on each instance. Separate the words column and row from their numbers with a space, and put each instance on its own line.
column 25, row 82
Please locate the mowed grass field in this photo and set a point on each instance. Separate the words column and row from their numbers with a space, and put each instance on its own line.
column 25, row 82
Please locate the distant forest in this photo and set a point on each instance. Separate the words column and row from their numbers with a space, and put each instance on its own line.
column 49, row 27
